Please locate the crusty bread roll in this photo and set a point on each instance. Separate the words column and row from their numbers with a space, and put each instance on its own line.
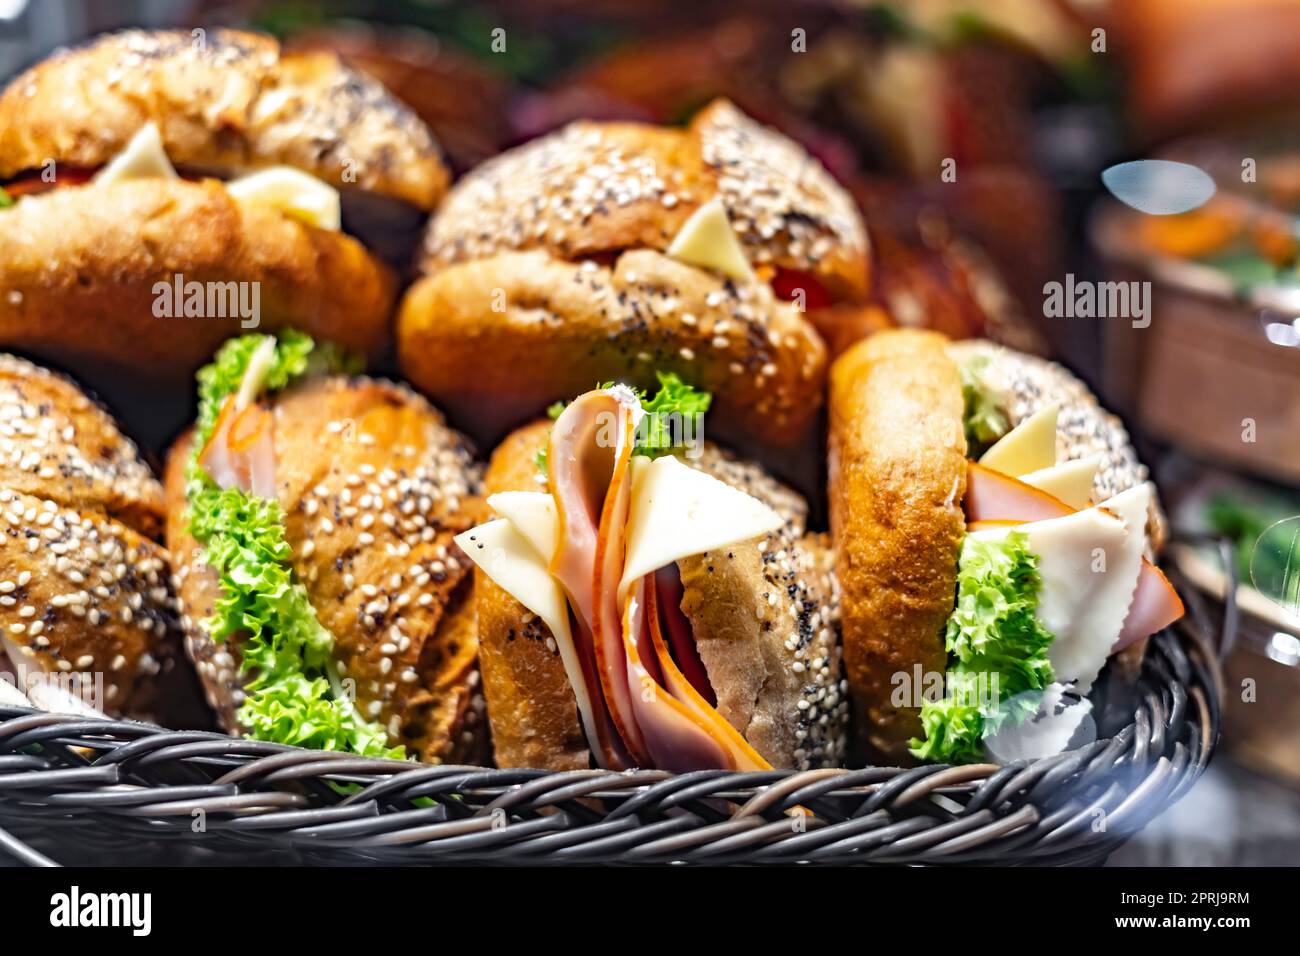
column 88, row 267
column 549, row 265
column 897, row 482
column 765, row 617
column 373, row 485
column 79, row 266
column 84, row 588
column 566, row 326
column 897, row 479
column 225, row 101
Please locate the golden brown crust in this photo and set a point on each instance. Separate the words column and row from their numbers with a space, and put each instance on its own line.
column 81, row 263
column 530, row 703
column 596, row 188
column 897, row 479
column 83, row 588
column 56, row 443
column 374, row 486
column 224, row 101
column 775, row 666
column 493, row 341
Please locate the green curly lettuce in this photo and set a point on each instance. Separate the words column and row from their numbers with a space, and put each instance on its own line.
column 293, row 694
column 5, row 199
column 984, row 419
column 997, row 651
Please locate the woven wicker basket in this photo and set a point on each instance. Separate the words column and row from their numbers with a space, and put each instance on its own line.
column 90, row 791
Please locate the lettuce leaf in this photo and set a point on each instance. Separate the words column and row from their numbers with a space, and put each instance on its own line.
column 676, row 403
column 293, row 695
column 997, row 651
column 5, row 200
column 985, row 421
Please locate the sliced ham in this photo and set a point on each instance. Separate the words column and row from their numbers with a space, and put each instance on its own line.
column 653, row 714
column 588, row 448
column 241, row 451
column 1155, row 606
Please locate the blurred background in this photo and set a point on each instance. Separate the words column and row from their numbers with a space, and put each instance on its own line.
column 974, row 136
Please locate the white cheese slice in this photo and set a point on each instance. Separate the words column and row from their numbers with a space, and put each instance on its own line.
column 11, row 696
column 677, row 511
column 534, row 516
column 294, row 193
column 1029, row 447
column 1070, row 481
column 1089, row 565
column 142, row 158
column 502, row 553
column 1059, row 722
column 707, row 240
column 259, row 364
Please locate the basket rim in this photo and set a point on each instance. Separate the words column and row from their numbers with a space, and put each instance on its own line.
column 68, row 780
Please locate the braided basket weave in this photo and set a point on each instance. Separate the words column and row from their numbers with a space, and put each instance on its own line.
column 93, row 791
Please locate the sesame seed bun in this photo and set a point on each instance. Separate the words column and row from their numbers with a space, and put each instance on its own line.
column 764, row 614
column 374, row 486
column 549, row 263
column 224, row 101
column 81, row 265
column 84, row 588
column 595, row 188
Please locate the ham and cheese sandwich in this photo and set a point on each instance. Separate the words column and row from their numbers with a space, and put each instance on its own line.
column 644, row 608
column 310, row 513
column 162, row 191
column 995, row 538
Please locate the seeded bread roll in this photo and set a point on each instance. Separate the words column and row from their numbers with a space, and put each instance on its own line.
column 80, row 268
column 595, row 188
column 225, row 102
column 551, row 261
column 374, row 486
column 764, row 614
column 84, row 590
column 897, row 480
column 565, row 326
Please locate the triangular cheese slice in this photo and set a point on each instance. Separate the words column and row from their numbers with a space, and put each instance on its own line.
column 294, row 193
column 509, row 559
column 707, row 240
column 1070, row 481
column 533, row 515
column 1029, row 447
column 1089, row 564
column 142, row 158
column 677, row 511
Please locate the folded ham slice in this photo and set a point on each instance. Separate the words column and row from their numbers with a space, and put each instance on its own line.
column 650, row 714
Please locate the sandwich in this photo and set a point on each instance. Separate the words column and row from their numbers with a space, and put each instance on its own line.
column 165, row 190
column 995, row 537
column 646, row 599
column 311, row 514
column 613, row 251
column 88, row 619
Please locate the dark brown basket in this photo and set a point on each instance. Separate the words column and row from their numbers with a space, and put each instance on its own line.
column 91, row 791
